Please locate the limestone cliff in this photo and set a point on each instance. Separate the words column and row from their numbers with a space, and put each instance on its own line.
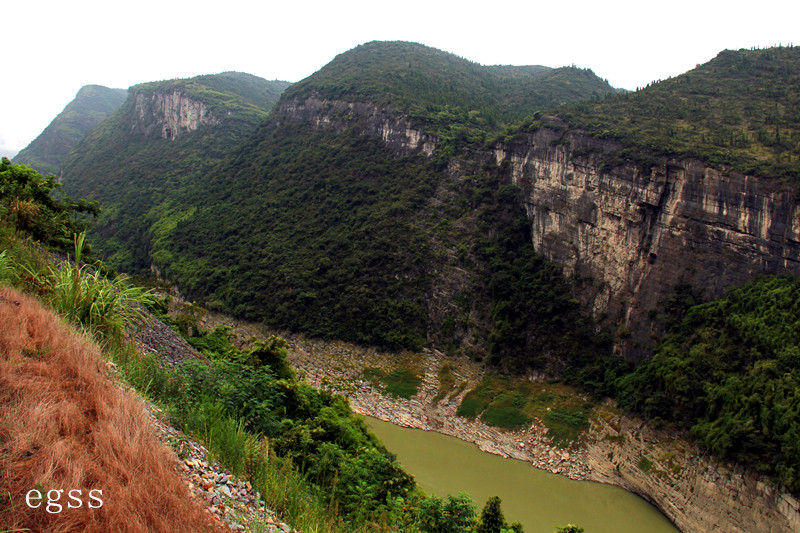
column 169, row 114
column 393, row 128
column 637, row 232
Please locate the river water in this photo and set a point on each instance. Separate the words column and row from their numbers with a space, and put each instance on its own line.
column 539, row 500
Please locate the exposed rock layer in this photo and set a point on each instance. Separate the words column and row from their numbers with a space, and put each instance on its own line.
column 170, row 114
column 636, row 231
column 641, row 231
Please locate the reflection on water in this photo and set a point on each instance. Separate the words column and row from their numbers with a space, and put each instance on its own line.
column 539, row 500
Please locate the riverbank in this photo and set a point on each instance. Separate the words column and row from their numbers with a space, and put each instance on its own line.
column 697, row 493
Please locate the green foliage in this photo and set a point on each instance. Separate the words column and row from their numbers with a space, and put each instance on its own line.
column 105, row 306
column 728, row 370
column 400, row 382
column 454, row 514
column 740, row 109
column 31, row 203
column 91, row 105
column 334, row 251
column 128, row 165
column 534, row 317
column 566, row 425
column 445, row 91
column 492, row 520
column 504, row 402
column 505, row 416
column 569, row 528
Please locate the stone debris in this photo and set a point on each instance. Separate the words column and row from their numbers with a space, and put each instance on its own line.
column 231, row 501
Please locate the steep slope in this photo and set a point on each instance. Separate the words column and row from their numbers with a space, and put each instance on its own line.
column 741, row 109
column 90, row 107
column 639, row 211
column 79, row 438
column 164, row 135
column 333, row 217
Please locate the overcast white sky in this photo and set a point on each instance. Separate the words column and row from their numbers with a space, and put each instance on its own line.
column 50, row 49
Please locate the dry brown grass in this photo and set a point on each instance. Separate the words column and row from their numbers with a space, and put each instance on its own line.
column 65, row 425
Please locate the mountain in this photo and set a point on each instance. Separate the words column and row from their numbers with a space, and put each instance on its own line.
column 405, row 197
column 643, row 192
column 391, row 199
column 741, row 109
column 91, row 105
column 164, row 135
column 338, row 215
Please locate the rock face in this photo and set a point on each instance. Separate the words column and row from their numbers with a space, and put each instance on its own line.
column 393, row 128
column 169, row 114
column 696, row 492
column 638, row 232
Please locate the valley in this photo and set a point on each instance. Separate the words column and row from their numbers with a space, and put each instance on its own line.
column 600, row 283
column 664, row 468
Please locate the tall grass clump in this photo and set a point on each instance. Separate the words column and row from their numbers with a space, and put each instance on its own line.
column 102, row 305
column 6, row 268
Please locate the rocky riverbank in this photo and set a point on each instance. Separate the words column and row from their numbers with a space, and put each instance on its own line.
column 696, row 492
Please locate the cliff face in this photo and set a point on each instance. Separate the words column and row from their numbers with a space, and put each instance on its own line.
column 639, row 232
column 635, row 231
column 394, row 129
column 169, row 114
column 696, row 492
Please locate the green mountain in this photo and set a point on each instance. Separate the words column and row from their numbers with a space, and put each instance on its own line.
column 421, row 81
column 165, row 135
column 316, row 224
column 392, row 198
column 741, row 109
column 91, row 105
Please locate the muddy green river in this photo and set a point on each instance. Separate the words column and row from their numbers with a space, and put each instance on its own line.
column 540, row 500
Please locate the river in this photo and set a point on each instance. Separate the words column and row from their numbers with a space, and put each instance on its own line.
column 538, row 499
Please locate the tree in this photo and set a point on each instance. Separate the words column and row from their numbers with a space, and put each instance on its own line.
column 569, row 528
column 28, row 203
column 491, row 520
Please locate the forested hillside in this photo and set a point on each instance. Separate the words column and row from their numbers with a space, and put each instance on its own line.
column 728, row 370
column 327, row 231
column 91, row 106
column 741, row 109
column 143, row 153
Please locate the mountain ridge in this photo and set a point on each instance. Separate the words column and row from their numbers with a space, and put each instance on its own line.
column 91, row 105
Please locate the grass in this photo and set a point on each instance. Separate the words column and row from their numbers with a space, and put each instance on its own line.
column 64, row 424
column 510, row 403
column 399, row 383
column 103, row 307
column 447, row 381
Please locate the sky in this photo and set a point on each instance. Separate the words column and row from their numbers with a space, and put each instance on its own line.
column 50, row 49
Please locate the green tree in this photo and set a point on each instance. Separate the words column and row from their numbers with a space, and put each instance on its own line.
column 569, row 528
column 456, row 514
column 492, row 520
column 34, row 204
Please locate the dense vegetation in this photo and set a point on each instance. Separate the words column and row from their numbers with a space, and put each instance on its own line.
column 323, row 241
column 451, row 96
column 729, row 372
column 303, row 449
column 127, row 165
column 325, row 231
column 535, row 320
column 35, row 205
column 91, row 106
column 740, row 109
